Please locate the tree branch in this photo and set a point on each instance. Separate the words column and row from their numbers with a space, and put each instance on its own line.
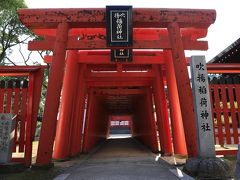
column 24, row 59
column 11, row 61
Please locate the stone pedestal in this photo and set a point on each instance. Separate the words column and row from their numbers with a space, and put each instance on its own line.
column 209, row 168
column 7, row 129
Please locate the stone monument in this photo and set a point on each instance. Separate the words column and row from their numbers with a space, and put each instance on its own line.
column 206, row 165
column 7, row 129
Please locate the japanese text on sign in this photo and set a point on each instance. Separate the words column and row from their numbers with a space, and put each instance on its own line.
column 119, row 25
column 201, row 80
column 202, row 109
column 4, row 135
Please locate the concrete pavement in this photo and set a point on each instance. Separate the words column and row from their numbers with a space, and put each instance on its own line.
column 122, row 159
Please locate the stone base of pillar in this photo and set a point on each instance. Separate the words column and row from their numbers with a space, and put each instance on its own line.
column 211, row 168
column 11, row 167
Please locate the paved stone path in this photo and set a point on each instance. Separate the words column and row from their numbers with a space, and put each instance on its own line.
column 122, row 159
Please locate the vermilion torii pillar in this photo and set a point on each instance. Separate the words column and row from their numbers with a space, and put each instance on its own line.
column 184, row 88
column 162, row 112
column 65, row 122
column 179, row 142
column 45, row 147
column 78, row 113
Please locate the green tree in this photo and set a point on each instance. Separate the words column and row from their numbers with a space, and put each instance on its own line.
column 12, row 32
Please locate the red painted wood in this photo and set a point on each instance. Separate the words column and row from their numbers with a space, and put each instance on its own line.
column 143, row 129
column 14, row 74
column 124, row 75
column 38, row 80
column 233, row 114
column 211, row 91
column 17, row 91
column 218, row 113
column 152, row 121
column 238, row 98
column 90, row 103
column 184, row 89
column 9, row 93
column 179, row 142
column 23, row 117
column 13, row 99
column 147, row 17
column 74, row 44
column 225, row 112
column 96, row 83
column 226, row 152
column 143, row 59
column 66, row 123
column 10, row 70
column 162, row 114
column 1, row 100
column 16, row 101
column 29, row 106
column 139, row 33
column 119, row 91
column 223, row 68
column 78, row 115
column 96, row 125
column 48, row 130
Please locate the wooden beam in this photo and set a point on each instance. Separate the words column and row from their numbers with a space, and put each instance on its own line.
column 96, row 17
column 139, row 33
column 20, row 69
column 118, row 84
column 119, row 91
column 75, row 44
column 223, row 68
column 104, row 57
column 120, row 74
column 119, row 79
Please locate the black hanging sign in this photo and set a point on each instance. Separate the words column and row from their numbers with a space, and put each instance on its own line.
column 121, row 55
column 119, row 26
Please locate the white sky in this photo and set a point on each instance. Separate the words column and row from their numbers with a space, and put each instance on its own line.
column 221, row 34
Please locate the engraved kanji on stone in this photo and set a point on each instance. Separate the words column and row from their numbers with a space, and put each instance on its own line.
column 200, row 66
column 205, row 127
column 201, row 78
column 204, row 114
column 203, row 102
column 202, row 90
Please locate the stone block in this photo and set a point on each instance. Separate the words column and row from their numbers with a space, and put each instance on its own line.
column 7, row 129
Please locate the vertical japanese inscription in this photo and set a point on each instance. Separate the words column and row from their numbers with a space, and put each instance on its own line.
column 119, row 25
column 202, row 108
column 7, row 126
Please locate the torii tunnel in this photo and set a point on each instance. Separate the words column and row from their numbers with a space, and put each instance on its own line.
column 85, row 88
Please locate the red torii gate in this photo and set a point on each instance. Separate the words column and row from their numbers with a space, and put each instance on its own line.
column 173, row 30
